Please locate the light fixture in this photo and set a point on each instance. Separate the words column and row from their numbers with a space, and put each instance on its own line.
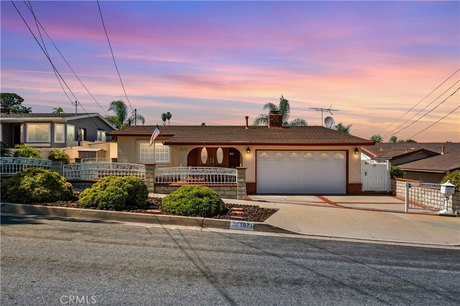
column 248, row 150
column 356, row 150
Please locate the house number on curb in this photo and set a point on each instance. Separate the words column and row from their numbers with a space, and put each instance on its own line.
column 245, row 226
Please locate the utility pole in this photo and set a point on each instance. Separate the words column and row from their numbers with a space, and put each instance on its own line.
column 321, row 109
column 76, row 107
column 135, row 116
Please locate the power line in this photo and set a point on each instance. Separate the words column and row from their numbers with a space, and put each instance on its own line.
column 422, row 99
column 402, row 124
column 435, row 122
column 37, row 22
column 113, row 56
column 430, row 110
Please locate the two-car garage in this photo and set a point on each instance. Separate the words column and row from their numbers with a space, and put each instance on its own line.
column 301, row 172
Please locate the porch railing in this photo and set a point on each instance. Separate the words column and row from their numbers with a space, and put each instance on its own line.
column 196, row 176
column 95, row 170
column 12, row 165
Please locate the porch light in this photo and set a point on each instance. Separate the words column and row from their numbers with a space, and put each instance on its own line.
column 356, row 151
column 248, row 150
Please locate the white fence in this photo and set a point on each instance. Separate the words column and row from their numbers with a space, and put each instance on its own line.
column 196, row 176
column 425, row 195
column 12, row 165
column 95, row 170
column 375, row 176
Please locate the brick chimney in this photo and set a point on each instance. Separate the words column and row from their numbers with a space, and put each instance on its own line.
column 275, row 120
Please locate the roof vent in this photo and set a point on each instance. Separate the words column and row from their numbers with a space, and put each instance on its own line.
column 443, row 149
column 247, row 121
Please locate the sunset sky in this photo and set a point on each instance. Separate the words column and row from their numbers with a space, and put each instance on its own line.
column 216, row 62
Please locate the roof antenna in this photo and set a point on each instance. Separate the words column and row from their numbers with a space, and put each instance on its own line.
column 322, row 110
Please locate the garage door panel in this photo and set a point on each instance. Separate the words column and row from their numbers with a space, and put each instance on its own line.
column 301, row 172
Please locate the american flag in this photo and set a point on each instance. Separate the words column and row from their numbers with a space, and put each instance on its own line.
column 155, row 134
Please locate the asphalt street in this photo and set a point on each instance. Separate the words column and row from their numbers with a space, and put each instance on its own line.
column 47, row 261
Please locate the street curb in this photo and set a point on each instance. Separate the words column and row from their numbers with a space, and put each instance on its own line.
column 121, row 216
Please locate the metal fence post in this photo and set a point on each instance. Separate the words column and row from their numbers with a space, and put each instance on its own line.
column 406, row 197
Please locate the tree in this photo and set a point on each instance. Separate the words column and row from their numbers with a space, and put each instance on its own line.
column 393, row 139
column 169, row 116
column 11, row 103
column 58, row 110
column 121, row 119
column 283, row 108
column 343, row 129
column 377, row 138
column 164, row 117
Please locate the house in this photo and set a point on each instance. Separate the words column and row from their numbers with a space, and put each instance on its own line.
column 50, row 130
column 432, row 169
column 428, row 162
column 280, row 160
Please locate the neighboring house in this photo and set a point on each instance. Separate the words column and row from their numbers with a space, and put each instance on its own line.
column 432, row 169
column 52, row 130
column 428, row 162
column 281, row 160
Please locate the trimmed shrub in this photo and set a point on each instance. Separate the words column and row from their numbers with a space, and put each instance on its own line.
column 454, row 178
column 26, row 151
column 38, row 185
column 194, row 201
column 396, row 172
column 59, row 154
column 116, row 193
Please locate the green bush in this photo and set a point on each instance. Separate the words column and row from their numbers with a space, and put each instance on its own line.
column 38, row 185
column 396, row 172
column 4, row 151
column 59, row 154
column 194, row 201
column 26, row 151
column 117, row 193
column 454, row 178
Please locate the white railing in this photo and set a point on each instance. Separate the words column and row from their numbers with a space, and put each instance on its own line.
column 13, row 165
column 427, row 195
column 95, row 159
column 95, row 170
column 195, row 175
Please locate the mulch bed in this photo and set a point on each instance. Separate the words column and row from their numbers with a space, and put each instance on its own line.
column 238, row 212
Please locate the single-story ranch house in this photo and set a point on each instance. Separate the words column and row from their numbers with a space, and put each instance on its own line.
column 278, row 159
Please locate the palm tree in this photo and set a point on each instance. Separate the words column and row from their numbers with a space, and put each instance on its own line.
column 377, row 138
column 283, row 108
column 164, row 117
column 58, row 110
column 342, row 128
column 121, row 119
column 393, row 139
column 169, row 116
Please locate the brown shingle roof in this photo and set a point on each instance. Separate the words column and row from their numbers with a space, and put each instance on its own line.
column 47, row 115
column 239, row 135
column 393, row 150
column 438, row 164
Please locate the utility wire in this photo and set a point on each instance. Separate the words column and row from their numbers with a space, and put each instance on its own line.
column 426, row 106
column 422, row 99
column 435, row 122
column 113, row 56
column 430, row 110
column 37, row 22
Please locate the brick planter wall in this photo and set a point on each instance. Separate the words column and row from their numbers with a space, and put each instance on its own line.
column 224, row 191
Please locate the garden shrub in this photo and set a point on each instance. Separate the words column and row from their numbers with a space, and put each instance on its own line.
column 26, row 151
column 454, row 178
column 59, row 154
column 396, row 172
column 117, row 193
column 4, row 151
column 194, row 201
column 38, row 185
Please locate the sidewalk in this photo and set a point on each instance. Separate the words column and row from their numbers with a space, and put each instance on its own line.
column 330, row 221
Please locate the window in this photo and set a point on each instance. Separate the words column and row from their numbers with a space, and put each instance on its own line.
column 101, row 135
column 147, row 154
column 38, row 132
column 59, row 132
column 70, row 133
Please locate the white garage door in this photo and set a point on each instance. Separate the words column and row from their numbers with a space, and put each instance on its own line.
column 301, row 172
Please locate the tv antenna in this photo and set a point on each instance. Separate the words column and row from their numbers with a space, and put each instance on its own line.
column 322, row 110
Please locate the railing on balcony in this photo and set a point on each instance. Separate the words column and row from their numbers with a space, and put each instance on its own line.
column 195, row 176
column 12, row 165
column 90, row 171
